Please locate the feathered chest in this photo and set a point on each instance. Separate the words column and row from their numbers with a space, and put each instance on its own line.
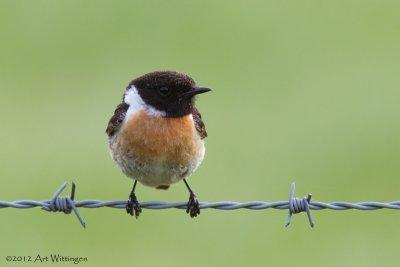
column 160, row 139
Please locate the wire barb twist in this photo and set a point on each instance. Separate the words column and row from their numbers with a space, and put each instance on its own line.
column 65, row 204
column 294, row 205
column 297, row 205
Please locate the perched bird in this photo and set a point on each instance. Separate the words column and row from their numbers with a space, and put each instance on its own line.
column 156, row 135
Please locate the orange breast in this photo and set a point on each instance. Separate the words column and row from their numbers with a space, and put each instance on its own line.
column 157, row 139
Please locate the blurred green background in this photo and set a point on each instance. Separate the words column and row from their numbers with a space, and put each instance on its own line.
column 305, row 91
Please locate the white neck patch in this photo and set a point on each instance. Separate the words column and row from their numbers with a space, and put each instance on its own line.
column 136, row 104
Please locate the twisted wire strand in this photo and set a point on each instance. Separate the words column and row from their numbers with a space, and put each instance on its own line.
column 221, row 205
column 294, row 205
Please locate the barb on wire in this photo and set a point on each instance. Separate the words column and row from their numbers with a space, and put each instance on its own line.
column 297, row 205
column 294, row 205
column 64, row 204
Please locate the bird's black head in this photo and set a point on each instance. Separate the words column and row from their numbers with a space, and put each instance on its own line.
column 168, row 91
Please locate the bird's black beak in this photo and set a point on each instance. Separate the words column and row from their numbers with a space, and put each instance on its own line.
column 197, row 90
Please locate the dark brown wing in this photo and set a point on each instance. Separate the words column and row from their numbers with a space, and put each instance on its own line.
column 116, row 120
column 199, row 124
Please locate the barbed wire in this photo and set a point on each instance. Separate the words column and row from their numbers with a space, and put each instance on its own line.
column 294, row 205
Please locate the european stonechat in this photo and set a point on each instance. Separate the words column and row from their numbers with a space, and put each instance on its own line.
column 156, row 135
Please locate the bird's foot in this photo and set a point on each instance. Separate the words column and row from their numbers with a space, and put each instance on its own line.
column 133, row 206
column 193, row 206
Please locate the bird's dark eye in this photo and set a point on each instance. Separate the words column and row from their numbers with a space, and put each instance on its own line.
column 164, row 91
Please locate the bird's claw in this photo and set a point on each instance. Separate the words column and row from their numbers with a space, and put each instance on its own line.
column 193, row 206
column 133, row 206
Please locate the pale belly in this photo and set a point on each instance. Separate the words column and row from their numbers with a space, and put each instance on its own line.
column 157, row 151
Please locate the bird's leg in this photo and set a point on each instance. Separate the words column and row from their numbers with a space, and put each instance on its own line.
column 193, row 207
column 133, row 206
